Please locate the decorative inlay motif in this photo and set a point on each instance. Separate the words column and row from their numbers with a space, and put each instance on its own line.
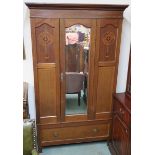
column 45, row 41
column 108, row 38
column 45, row 38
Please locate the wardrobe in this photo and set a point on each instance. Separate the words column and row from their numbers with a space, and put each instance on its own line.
column 92, row 35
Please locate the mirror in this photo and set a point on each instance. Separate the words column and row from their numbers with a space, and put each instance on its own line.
column 76, row 68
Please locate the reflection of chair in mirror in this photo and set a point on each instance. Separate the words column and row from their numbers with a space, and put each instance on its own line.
column 74, row 58
column 86, row 52
column 85, row 87
column 74, row 83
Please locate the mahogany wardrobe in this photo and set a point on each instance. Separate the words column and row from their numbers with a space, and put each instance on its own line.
column 75, row 59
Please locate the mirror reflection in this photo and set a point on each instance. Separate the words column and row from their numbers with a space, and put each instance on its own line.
column 76, row 68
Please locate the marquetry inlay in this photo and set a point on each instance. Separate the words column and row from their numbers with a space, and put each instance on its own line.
column 108, row 38
column 45, row 38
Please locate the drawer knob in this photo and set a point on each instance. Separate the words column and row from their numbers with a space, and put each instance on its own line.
column 121, row 111
column 55, row 134
column 95, row 130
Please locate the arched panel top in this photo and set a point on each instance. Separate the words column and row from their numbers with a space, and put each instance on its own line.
column 50, row 22
column 107, row 25
column 70, row 22
column 44, row 25
column 108, row 22
column 78, row 23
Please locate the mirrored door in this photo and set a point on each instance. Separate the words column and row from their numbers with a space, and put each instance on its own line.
column 77, row 45
column 77, row 38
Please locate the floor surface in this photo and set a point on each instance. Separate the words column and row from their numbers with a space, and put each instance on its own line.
column 94, row 148
column 72, row 106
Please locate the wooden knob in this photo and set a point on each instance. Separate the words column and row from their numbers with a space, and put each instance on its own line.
column 95, row 130
column 55, row 134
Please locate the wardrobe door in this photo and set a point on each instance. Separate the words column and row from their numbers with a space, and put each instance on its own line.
column 45, row 40
column 77, row 47
column 106, row 63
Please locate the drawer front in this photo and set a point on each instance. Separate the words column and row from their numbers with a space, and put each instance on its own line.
column 120, row 136
column 122, row 112
column 78, row 132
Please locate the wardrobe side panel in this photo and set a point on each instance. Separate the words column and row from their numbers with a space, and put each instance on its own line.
column 104, row 89
column 106, row 63
column 45, row 40
column 47, row 90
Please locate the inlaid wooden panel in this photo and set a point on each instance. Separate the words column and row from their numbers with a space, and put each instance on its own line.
column 47, row 91
column 45, row 47
column 108, row 38
column 46, row 32
column 105, row 89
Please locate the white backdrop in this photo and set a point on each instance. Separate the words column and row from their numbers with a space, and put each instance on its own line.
column 124, row 50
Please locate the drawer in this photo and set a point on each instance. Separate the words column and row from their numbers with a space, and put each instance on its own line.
column 78, row 132
column 122, row 112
